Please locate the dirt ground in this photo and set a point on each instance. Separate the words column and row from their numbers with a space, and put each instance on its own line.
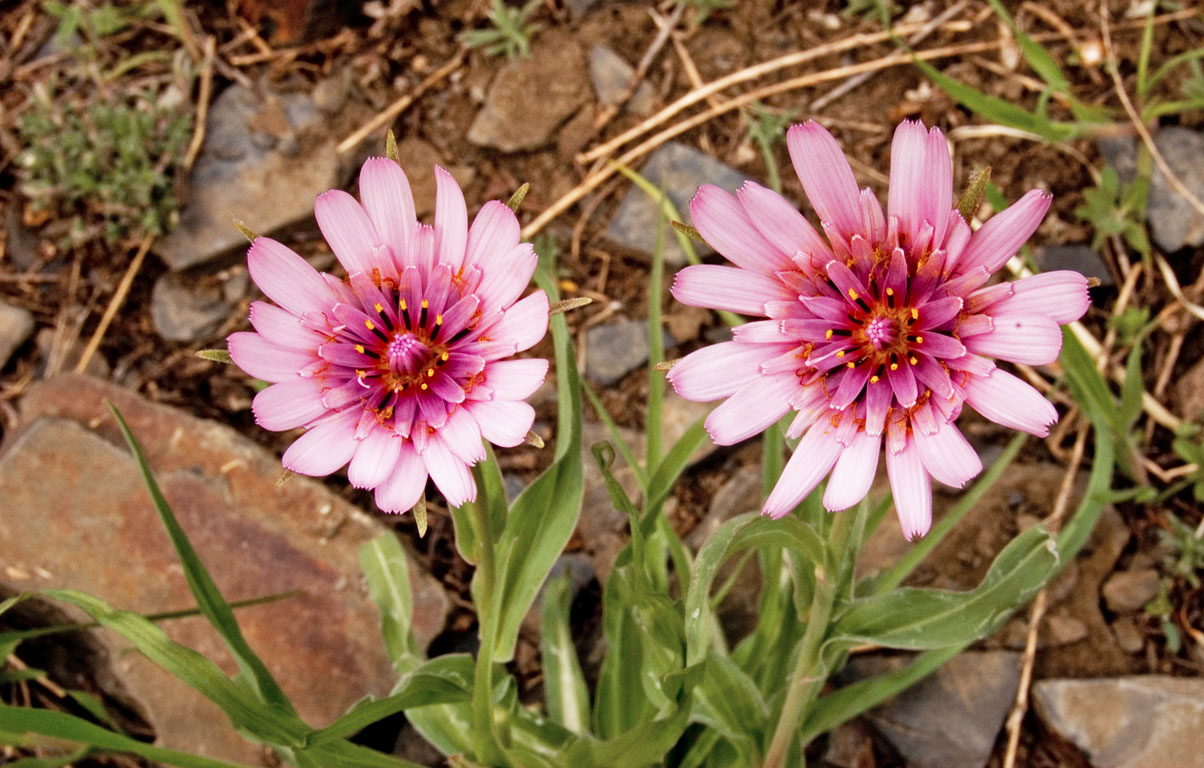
column 390, row 49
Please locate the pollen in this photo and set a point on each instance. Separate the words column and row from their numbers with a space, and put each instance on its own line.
column 853, row 294
column 894, row 366
column 369, row 325
column 438, row 319
column 444, row 357
column 890, row 291
column 828, row 334
column 915, row 314
column 840, row 353
column 425, row 386
column 425, row 304
column 377, row 306
column 403, row 305
column 913, row 360
column 874, row 379
column 430, row 371
column 359, row 348
column 361, row 373
column 850, row 364
column 919, row 339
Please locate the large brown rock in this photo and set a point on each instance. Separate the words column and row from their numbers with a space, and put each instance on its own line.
column 78, row 516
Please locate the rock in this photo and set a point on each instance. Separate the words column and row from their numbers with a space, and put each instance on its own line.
column 1174, row 223
column 1120, row 152
column 610, row 73
column 614, row 349
column 529, row 98
column 16, row 325
column 1148, row 721
column 265, row 159
column 419, row 159
column 685, row 322
column 680, row 170
column 67, row 477
column 187, row 307
column 951, row 718
column 21, row 247
column 578, row 8
column 1130, row 590
column 1056, row 630
column 850, row 745
column 1128, row 636
column 1074, row 256
column 677, row 416
column 56, row 358
column 1189, row 392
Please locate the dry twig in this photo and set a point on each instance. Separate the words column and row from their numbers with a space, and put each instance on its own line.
column 115, row 303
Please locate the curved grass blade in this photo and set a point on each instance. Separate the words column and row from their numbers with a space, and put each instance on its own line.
column 567, row 696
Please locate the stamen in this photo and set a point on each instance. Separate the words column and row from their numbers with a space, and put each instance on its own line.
column 915, row 314
column 430, row 372
column 894, row 366
column 840, row 353
column 852, row 294
column 438, row 325
column 405, row 315
column 828, row 334
column 425, row 386
column 919, row 339
column 850, row 364
column 422, row 314
column 874, row 379
column 359, row 348
column 913, row 360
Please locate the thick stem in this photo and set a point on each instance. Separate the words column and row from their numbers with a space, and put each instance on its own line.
column 483, row 745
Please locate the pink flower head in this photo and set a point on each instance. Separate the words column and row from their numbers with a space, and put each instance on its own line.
column 398, row 368
column 883, row 326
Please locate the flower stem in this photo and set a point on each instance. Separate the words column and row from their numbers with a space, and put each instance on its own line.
column 483, row 745
column 804, row 678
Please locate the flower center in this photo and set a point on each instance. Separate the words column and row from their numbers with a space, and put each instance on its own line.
column 881, row 332
column 406, row 354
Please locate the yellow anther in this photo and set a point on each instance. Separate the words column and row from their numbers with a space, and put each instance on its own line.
column 919, row 339
column 361, row 374
column 828, row 334
column 915, row 314
column 368, row 323
column 430, row 371
column 438, row 319
column 874, row 379
column 444, row 357
column 894, row 366
column 403, row 305
column 840, row 353
column 378, row 307
column 359, row 348
column 850, row 364
column 890, row 291
column 912, row 360
column 425, row 304
column 852, row 294
column 425, row 386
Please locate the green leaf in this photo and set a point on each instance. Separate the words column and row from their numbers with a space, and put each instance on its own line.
column 567, row 696
column 209, row 599
column 51, row 762
column 94, row 707
column 920, row 619
column 645, row 744
column 728, row 701
column 61, row 726
column 384, row 564
column 670, row 468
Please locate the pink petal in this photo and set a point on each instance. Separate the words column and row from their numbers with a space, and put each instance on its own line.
column 524, row 323
column 507, row 276
column 1060, row 295
column 347, row 229
column 503, row 422
column 814, row 456
column 947, row 455
column 921, row 180
column 516, row 379
column 826, row 176
column 375, row 458
column 262, row 359
column 722, row 222
column 1006, row 400
column 288, row 405
column 449, row 472
column 451, row 221
column 912, row 490
column 854, row 472
column 999, row 239
column 903, row 383
column 286, row 278
column 714, row 286
column 719, row 370
column 1027, row 339
column 402, row 489
column 387, row 199
column 751, row 409
column 764, row 332
column 323, row 449
column 282, row 327
column 780, row 222
column 462, row 436
column 494, row 232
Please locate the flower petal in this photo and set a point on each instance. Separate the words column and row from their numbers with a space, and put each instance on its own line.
column 524, row 323
column 402, row 489
column 1003, row 234
column 715, row 286
column 389, row 203
column 720, row 369
column 503, row 422
column 854, row 472
column 286, row 278
column 751, row 409
column 449, row 472
column 494, row 231
column 826, row 176
column 323, row 449
column 262, row 359
column 515, row 379
column 288, row 405
column 1061, row 295
column 817, row 451
column 921, row 180
column 282, row 328
column 947, row 455
column 375, row 458
column 347, row 229
column 912, row 490
column 781, row 223
column 1008, row 401
column 451, row 221
column 723, row 223
column 1027, row 339
column 506, row 276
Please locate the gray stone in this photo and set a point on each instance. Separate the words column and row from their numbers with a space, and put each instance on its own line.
column 951, row 718
column 1056, row 631
column 530, row 98
column 68, row 478
column 21, row 247
column 265, row 159
column 1148, row 721
column 1074, row 256
column 186, row 307
column 1174, row 223
column 16, row 325
column 614, row 349
column 677, row 416
column 1130, row 590
column 610, row 73
column 1189, row 392
column 1120, row 152
column 578, row 8
column 680, row 170
column 1128, row 636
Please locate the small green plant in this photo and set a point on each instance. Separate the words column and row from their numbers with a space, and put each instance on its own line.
column 704, row 8
column 1163, row 608
column 1185, row 551
column 509, row 34
column 1116, row 209
column 1189, row 444
column 105, row 166
column 768, row 128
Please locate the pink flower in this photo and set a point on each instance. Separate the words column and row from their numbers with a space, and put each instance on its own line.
column 885, row 325
column 397, row 369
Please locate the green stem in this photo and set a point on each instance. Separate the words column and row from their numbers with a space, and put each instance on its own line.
column 483, row 745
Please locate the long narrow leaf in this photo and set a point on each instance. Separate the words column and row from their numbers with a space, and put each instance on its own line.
column 384, row 564
column 567, row 696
